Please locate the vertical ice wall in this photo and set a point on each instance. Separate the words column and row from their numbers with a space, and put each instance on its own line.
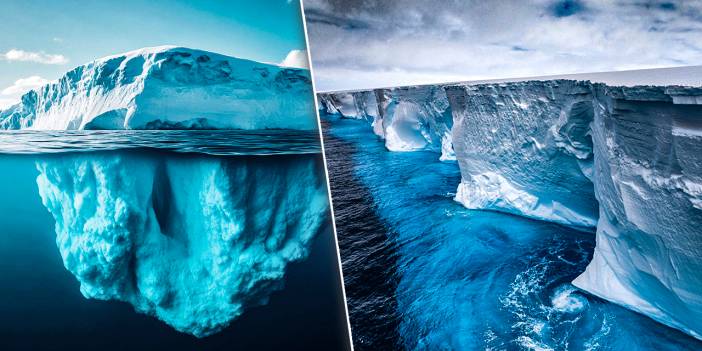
column 648, row 181
column 524, row 148
column 417, row 118
column 408, row 118
column 355, row 105
column 194, row 241
column 528, row 148
column 168, row 87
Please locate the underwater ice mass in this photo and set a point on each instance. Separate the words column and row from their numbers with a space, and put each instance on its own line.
column 626, row 160
column 193, row 241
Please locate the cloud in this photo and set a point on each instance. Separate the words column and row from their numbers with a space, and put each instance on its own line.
column 385, row 43
column 12, row 94
column 297, row 59
column 38, row 57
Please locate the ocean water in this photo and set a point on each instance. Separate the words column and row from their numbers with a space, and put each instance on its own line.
column 41, row 306
column 424, row 273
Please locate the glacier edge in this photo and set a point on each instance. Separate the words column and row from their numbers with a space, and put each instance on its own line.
column 626, row 160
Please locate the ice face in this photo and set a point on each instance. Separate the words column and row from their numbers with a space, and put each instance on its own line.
column 627, row 160
column 648, row 180
column 169, row 87
column 524, row 148
column 193, row 241
column 408, row 118
column 354, row 105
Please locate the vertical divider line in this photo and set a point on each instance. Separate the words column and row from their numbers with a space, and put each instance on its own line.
column 326, row 172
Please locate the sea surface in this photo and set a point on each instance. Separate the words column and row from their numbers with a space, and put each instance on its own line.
column 210, row 142
column 41, row 306
column 424, row 273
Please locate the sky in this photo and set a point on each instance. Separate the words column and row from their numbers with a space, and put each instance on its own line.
column 357, row 44
column 41, row 40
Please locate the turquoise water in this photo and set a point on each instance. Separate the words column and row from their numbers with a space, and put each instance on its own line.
column 465, row 279
column 41, row 305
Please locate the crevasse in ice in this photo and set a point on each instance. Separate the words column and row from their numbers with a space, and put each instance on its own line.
column 169, row 87
column 627, row 160
column 193, row 241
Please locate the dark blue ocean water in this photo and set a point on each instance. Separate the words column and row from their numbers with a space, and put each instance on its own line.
column 422, row 272
column 41, row 307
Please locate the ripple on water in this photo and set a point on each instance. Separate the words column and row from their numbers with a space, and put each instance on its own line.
column 567, row 300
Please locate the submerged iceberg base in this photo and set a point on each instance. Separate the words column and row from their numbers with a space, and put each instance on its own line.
column 191, row 240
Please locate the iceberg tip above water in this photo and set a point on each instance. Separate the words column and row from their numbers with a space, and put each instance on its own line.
column 169, row 87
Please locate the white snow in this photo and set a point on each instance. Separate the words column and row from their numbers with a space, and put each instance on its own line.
column 296, row 59
column 169, row 87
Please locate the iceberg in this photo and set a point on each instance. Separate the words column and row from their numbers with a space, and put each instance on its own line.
column 191, row 240
column 169, row 87
column 623, row 159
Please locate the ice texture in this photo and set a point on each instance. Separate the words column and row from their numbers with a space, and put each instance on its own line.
column 169, row 87
column 193, row 241
column 525, row 148
column 626, row 159
column 648, row 181
column 407, row 118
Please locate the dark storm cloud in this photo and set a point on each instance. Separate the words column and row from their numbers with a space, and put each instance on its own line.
column 367, row 43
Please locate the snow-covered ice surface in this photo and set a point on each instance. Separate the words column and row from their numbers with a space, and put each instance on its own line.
column 626, row 159
column 169, row 87
column 192, row 240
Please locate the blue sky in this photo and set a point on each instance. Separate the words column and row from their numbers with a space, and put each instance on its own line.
column 41, row 40
column 357, row 44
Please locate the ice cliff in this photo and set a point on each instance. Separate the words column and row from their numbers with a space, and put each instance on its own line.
column 625, row 159
column 194, row 241
column 407, row 118
column 532, row 154
column 648, row 181
column 169, row 87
